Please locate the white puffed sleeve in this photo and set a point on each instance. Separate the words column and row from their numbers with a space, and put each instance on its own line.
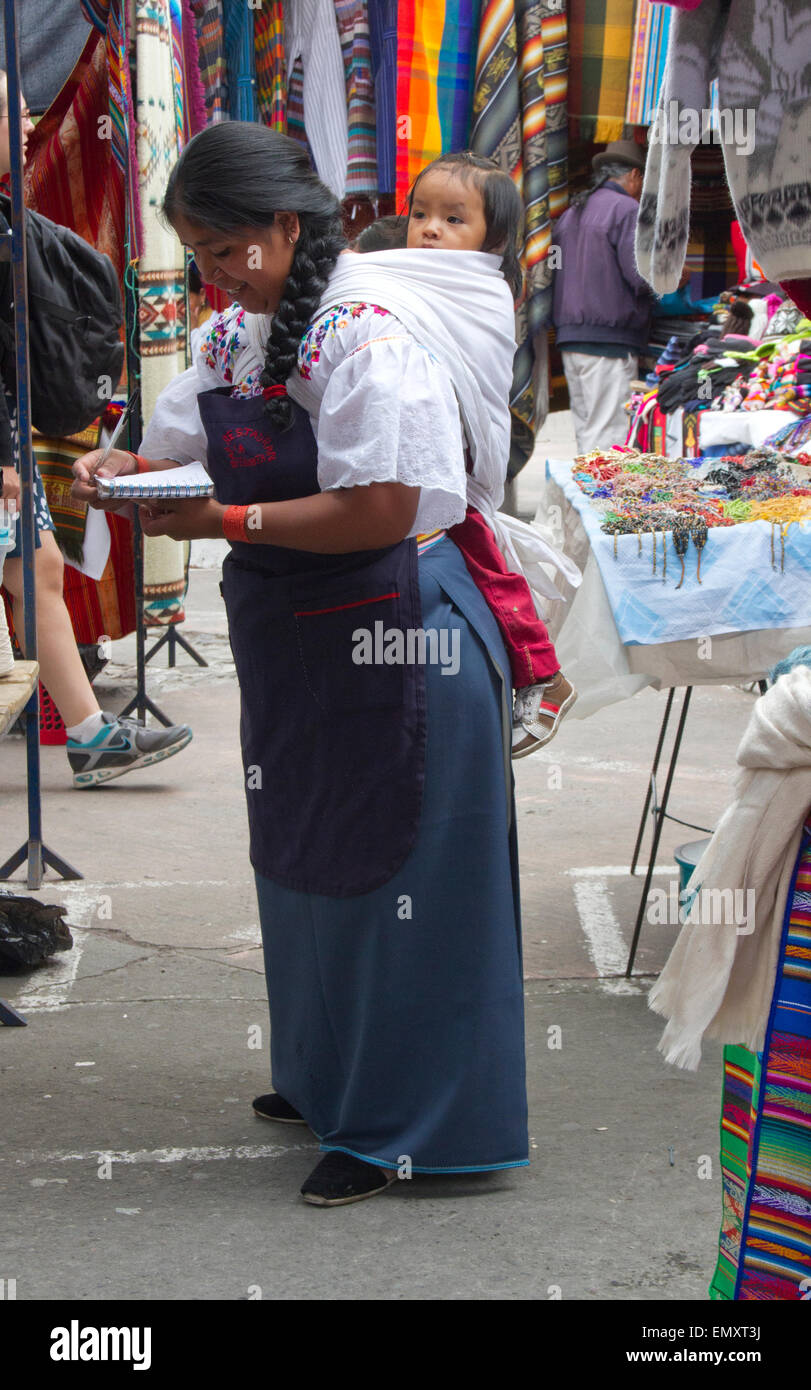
column 175, row 430
column 389, row 414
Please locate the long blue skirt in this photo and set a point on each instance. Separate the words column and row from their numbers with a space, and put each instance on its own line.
column 397, row 1016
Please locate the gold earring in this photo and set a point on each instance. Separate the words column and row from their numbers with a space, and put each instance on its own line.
column 292, row 240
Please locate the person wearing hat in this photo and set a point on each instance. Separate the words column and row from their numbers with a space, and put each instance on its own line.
column 602, row 306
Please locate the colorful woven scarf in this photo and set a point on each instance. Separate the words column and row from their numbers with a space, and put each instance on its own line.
column 648, row 52
column 353, row 28
column 600, row 37
column 435, row 71
column 271, row 69
column 211, row 46
column 510, row 125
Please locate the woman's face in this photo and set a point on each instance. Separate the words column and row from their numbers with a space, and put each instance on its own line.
column 28, row 126
column 250, row 265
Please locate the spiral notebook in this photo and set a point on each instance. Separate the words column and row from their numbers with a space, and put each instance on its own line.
column 191, row 480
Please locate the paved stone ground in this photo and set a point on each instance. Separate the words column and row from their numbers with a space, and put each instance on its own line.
column 139, row 1050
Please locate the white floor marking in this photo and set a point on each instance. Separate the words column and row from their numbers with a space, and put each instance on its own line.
column 210, row 1153
column 619, row 871
column 604, row 940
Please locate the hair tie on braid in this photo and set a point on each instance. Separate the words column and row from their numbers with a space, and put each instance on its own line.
column 313, row 260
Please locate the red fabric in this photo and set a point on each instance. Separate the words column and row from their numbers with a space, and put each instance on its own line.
column 532, row 655
column 799, row 291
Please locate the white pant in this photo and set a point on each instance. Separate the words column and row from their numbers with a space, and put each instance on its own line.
column 598, row 390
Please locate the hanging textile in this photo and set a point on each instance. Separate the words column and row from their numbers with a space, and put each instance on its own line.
column 239, row 59
column 211, row 48
column 765, row 1244
column 436, row 50
column 648, row 53
column 556, row 86
column 361, row 164
column 161, row 131
column 71, row 175
column 600, row 34
column 509, row 123
column 383, row 36
column 316, row 97
column 191, row 82
column 271, row 69
column 77, row 179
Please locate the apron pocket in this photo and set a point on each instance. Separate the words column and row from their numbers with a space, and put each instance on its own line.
column 344, row 642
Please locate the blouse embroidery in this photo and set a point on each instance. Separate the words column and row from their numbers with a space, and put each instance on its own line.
column 326, row 326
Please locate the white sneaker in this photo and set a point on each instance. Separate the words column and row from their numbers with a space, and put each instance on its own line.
column 537, row 713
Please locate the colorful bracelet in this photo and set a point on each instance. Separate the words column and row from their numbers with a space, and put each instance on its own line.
column 235, row 524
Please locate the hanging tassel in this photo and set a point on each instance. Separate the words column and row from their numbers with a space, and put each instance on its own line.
column 664, row 556
column 700, row 535
column 681, row 540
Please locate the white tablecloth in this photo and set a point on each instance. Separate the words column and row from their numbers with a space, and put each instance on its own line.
column 588, row 644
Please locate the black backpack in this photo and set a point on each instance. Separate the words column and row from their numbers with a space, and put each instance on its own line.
column 75, row 317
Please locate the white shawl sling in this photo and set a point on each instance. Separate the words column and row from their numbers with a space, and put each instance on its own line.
column 458, row 305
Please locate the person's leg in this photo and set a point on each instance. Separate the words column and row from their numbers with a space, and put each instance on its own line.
column 532, row 655
column 605, row 383
column 573, row 363
column 60, row 665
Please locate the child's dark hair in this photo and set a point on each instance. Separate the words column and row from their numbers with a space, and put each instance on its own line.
column 238, row 174
column 739, row 318
column 386, row 234
column 503, row 208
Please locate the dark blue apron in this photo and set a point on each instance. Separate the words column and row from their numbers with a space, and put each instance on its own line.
column 333, row 749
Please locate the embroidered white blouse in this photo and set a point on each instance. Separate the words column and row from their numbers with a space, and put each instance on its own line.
column 382, row 407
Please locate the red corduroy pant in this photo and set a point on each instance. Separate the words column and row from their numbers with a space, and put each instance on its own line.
column 531, row 653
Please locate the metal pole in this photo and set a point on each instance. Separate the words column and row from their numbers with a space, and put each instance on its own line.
column 19, row 265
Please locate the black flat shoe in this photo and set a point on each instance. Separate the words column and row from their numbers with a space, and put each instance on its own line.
column 273, row 1107
column 340, row 1179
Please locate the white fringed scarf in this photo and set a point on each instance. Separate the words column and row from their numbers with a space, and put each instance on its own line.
column 719, row 978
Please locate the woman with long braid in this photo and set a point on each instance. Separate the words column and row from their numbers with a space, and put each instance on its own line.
column 379, row 792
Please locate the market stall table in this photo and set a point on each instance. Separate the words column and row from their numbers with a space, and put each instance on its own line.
column 627, row 626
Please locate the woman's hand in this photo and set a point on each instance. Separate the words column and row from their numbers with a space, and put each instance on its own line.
column 192, row 519
column 11, row 486
column 85, row 470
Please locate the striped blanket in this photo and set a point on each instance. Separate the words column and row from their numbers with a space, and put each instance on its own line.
column 356, row 47
column 600, row 36
column 436, row 52
column 211, row 46
column 765, row 1242
column 271, row 69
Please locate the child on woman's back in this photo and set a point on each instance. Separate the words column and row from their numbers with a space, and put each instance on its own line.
column 465, row 202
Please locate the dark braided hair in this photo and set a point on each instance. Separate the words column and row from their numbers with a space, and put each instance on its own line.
column 239, row 174
column 503, row 208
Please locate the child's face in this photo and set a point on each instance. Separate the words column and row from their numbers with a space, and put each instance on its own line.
column 447, row 214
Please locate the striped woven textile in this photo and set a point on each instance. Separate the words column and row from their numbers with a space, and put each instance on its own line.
column 648, row 53
column 765, row 1241
column 55, row 459
column 71, row 175
column 356, row 47
column 600, row 37
column 383, row 36
column 211, row 45
column 510, row 117
column 196, row 116
column 162, row 127
column 239, row 59
column 271, row 68
column 435, row 74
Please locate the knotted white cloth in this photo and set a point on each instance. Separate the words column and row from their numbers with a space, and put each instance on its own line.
column 719, row 978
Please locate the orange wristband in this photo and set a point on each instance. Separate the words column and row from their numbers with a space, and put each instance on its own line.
column 235, row 524
column 142, row 465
